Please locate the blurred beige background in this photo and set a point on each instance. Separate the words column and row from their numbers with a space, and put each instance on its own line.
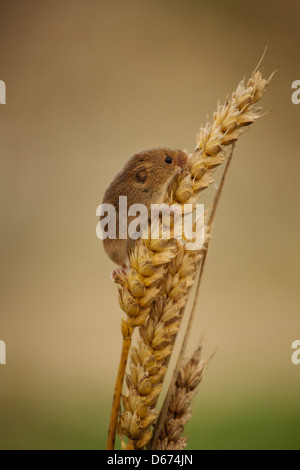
column 88, row 84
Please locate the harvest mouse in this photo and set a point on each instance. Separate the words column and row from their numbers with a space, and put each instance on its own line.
column 144, row 179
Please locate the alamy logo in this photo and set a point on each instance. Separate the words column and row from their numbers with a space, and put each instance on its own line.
column 132, row 222
column 296, row 94
column 296, row 354
column 2, row 353
column 2, row 92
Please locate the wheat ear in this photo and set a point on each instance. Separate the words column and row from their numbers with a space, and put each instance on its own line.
column 136, row 295
column 154, row 299
column 179, row 410
column 163, row 417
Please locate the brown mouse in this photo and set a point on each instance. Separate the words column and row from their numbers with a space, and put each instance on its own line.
column 144, row 179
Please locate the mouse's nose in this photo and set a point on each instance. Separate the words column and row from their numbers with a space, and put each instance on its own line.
column 182, row 159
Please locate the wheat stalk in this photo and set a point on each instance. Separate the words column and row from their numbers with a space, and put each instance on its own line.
column 154, row 292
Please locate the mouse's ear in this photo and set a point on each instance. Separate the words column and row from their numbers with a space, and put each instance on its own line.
column 141, row 174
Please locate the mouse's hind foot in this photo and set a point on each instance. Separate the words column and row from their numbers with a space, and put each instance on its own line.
column 118, row 274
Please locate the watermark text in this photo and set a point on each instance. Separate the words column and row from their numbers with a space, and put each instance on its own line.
column 296, row 94
column 184, row 222
column 2, row 92
column 296, row 354
column 2, row 353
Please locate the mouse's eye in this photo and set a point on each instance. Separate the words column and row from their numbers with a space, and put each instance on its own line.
column 168, row 160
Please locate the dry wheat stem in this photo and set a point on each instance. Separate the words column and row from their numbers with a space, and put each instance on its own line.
column 117, row 394
column 162, row 272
